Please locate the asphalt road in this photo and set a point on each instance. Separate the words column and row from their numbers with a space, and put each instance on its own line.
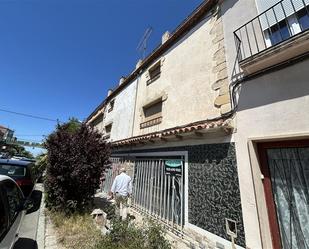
column 29, row 226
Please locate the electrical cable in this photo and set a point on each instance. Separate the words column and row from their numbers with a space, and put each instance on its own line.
column 28, row 135
column 30, row 116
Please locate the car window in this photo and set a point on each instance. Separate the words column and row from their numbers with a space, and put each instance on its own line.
column 15, row 199
column 12, row 170
column 3, row 218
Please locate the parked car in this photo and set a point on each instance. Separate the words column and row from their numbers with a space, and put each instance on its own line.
column 21, row 171
column 23, row 158
column 13, row 207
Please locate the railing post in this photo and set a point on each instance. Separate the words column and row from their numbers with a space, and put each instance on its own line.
column 306, row 7
column 262, row 31
column 285, row 18
column 253, row 30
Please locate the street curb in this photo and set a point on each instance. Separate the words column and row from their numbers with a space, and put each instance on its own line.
column 40, row 237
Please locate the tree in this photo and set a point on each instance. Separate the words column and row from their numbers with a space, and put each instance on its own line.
column 15, row 150
column 76, row 158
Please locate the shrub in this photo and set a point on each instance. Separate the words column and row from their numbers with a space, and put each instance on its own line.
column 125, row 235
column 40, row 165
column 77, row 156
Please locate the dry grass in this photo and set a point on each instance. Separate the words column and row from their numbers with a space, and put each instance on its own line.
column 76, row 231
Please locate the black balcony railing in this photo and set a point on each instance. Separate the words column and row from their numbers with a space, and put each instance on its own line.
column 279, row 23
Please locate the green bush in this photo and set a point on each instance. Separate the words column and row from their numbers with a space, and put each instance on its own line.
column 125, row 235
column 40, row 165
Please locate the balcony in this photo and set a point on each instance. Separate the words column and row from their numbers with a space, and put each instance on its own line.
column 276, row 35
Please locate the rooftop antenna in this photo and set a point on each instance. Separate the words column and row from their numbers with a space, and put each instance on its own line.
column 142, row 45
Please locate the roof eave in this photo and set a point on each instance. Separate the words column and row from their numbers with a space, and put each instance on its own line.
column 180, row 31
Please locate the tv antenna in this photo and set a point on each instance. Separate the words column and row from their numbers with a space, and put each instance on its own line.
column 142, row 45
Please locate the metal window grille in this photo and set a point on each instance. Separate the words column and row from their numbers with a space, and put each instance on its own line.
column 156, row 191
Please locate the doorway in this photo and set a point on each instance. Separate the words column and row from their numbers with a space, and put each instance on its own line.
column 285, row 166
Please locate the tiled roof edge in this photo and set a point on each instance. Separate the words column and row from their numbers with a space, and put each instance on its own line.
column 196, row 126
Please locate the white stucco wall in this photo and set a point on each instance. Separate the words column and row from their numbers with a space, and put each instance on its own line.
column 100, row 126
column 121, row 116
column 235, row 13
column 273, row 105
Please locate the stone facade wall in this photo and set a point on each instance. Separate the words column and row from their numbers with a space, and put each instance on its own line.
column 221, row 84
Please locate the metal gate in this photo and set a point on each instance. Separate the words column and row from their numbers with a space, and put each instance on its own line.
column 158, row 186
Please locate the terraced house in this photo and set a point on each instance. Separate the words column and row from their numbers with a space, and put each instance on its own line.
column 213, row 126
column 272, row 146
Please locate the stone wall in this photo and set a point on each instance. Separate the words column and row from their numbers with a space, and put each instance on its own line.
column 221, row 84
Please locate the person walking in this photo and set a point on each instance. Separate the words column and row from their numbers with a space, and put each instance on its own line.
column 121, row 190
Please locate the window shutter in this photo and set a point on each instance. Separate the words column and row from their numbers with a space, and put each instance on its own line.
column 268, row 19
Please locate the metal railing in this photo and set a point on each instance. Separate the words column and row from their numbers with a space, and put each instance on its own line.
column 156, row 192
column 280, row 22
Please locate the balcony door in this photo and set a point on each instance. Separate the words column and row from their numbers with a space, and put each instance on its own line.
column 285, row 166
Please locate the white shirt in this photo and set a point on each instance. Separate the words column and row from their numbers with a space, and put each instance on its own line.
column 122, row 185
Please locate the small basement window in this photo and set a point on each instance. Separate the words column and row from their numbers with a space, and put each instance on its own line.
column 154, row 72
column 111, row 105
column 152, row 114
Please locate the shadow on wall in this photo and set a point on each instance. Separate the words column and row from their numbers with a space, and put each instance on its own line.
column 227, row 5
column 285, row 84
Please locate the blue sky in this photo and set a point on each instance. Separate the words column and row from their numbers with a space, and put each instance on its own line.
column 58, row 58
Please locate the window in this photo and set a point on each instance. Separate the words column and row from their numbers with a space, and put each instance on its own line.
column 285, row 166
column 108, row 129
column 303, row 19
column 97, row 120
column 111, row 105
column 278, row 32
column 292, row 25
column 14, row 198
column 12, row 170
column 152, row 114
column 154, row 72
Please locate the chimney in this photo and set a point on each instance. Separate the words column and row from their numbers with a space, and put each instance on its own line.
column 165, row 36
column 110, row 91
column 138, row 64
column 122, row 79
